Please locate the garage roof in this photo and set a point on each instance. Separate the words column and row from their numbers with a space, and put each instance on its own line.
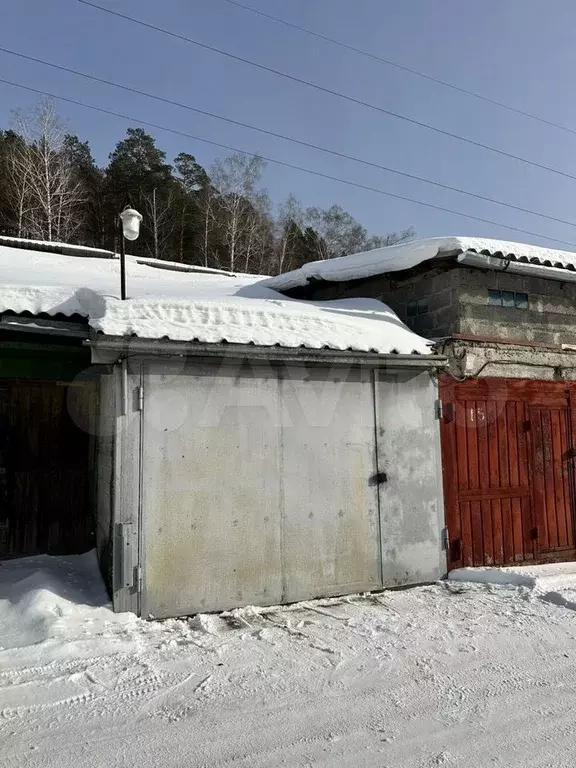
column 205, row 306
column 472, row 251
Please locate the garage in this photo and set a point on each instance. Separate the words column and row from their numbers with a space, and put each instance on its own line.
column 508, row 457
column 270, row 480
column 218, row 444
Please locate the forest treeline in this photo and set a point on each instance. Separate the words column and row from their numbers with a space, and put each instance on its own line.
column 51, row 188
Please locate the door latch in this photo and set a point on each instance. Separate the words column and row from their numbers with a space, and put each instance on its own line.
column 445, row 539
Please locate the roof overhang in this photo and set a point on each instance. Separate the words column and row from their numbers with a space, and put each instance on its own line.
column 40, row 326
column 501, row 263
column 110, row 349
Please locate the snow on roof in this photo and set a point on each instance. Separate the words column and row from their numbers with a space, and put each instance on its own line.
column 407, row 255
column 54, row 246
column 192, row 306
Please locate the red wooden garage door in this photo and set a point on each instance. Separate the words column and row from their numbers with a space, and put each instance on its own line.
column 508, row 471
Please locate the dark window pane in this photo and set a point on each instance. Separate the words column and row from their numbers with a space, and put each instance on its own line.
column 422, row 306
column 508, row 299
column 412, row 309
column 495, row 298
column 521, row 301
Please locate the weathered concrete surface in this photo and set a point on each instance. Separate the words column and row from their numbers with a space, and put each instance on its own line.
column 517, row 361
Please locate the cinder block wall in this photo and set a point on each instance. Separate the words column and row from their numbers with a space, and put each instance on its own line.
column 457, row 301
column 439, row 287
column 550, row 317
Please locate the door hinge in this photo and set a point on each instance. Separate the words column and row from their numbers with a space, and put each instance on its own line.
column 137, row 584
column 125, row 553
column 140, row 398
column 445, row 539
column 439, row 408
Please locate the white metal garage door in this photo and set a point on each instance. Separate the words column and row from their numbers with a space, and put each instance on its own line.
column 258, row 485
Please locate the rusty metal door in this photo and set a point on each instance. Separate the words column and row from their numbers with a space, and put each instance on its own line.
column 508, row 476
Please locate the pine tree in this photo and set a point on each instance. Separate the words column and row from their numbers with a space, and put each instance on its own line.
column 92, row 179
column 192, row 199
column 52, row 188
column 137, row 175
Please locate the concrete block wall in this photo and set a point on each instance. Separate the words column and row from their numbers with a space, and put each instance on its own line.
column 439, row 287
column 457, row 301
column 550, row 318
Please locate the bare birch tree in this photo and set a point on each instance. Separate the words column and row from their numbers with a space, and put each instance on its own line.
column 207, row 217
column 160, row 221
column 48, row 189
column 339, row 234
column 235, row 178
column 258, row 241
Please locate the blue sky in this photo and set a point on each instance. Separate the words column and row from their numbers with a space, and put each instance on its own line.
column 519, row 51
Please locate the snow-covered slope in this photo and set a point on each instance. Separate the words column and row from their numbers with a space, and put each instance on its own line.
column 407, row 255
column 186, row 306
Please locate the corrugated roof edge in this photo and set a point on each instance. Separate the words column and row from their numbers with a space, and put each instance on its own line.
column 520, row 259
column 136, row 345
column 130, row 341
column 367, row 264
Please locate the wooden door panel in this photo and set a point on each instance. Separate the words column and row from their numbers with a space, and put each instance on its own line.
column 508, row 470
column 494, row 487
column 553, row 504
column 486, row 461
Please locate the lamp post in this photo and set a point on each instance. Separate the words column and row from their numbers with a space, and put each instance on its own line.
column 129, row 222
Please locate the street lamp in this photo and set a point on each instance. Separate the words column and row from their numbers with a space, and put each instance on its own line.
column 129, row 221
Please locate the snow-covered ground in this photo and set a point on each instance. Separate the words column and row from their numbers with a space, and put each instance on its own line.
column 455, row 674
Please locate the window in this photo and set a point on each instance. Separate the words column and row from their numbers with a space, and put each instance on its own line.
column 495, row 298
column 417, row 307
column 507, row 299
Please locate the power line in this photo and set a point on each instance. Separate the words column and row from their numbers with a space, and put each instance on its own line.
column 310, row 145
column 402, row 67
column 284, row 164
column 330, row 91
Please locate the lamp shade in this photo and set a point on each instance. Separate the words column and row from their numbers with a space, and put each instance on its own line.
column 130, row 223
